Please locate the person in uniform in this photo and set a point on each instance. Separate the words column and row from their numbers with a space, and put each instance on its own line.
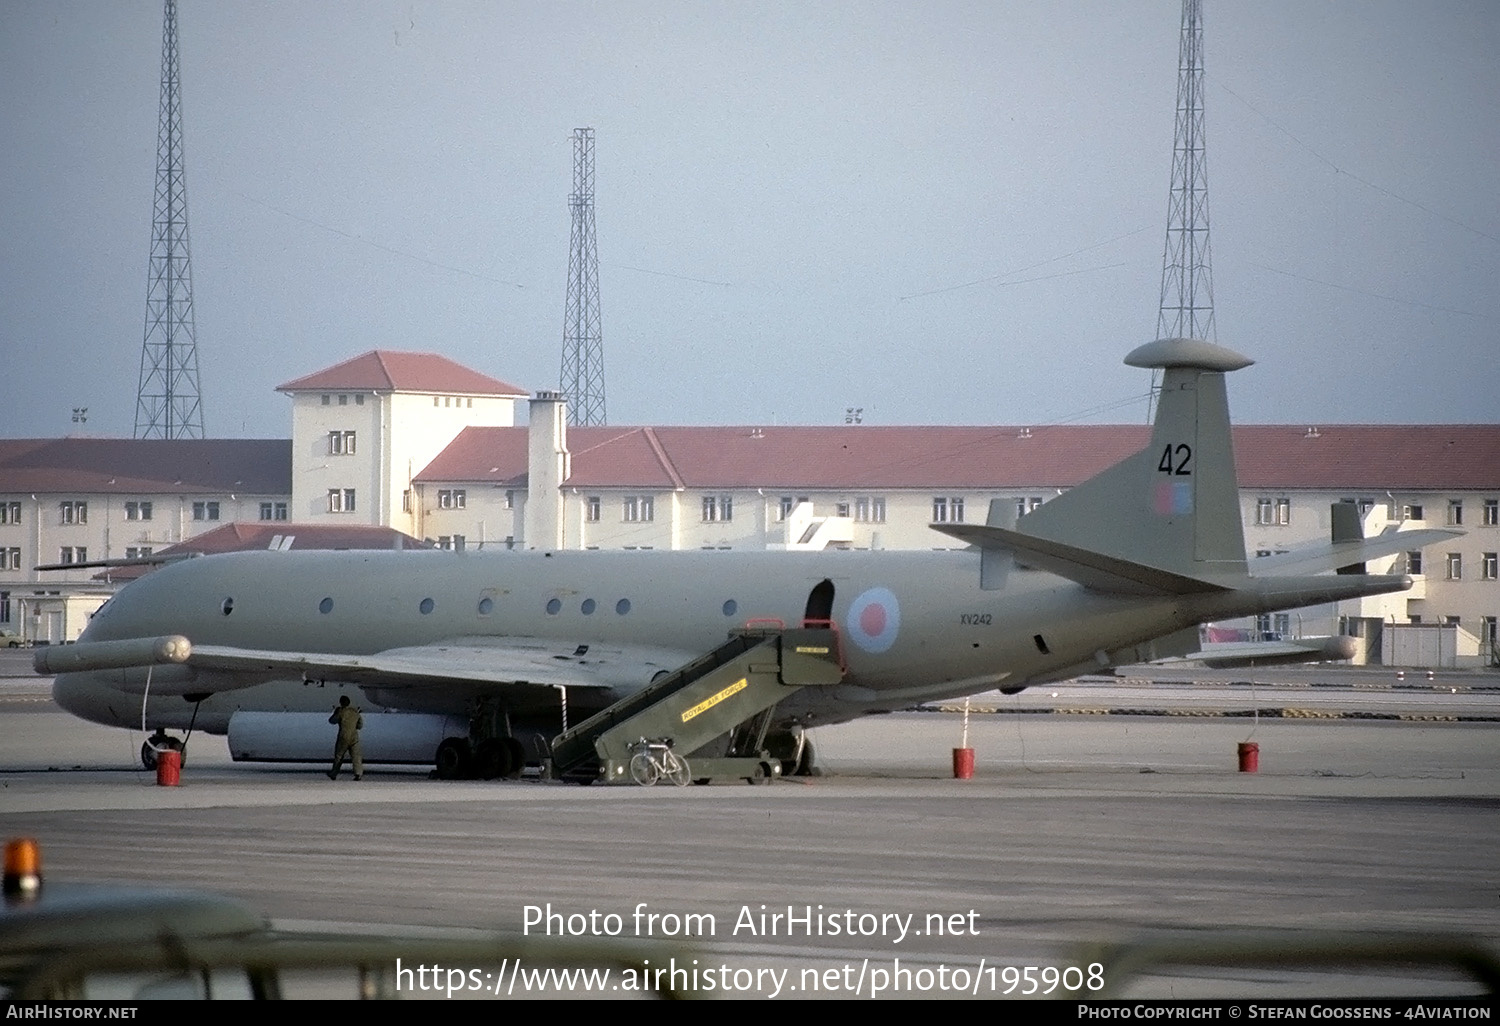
column 347, row 743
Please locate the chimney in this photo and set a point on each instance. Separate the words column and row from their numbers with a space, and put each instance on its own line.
column 548, row 466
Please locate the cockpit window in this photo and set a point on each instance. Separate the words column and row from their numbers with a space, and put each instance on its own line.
column 228, row 606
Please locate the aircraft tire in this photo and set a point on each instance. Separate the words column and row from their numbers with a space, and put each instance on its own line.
column 163, row 741
column 491, row 759
column 453, row 758
column 516, row 756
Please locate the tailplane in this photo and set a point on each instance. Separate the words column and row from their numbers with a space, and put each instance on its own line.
column 1173, row 506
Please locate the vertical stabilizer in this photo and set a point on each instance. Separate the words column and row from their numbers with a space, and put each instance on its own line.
column 1175, row 504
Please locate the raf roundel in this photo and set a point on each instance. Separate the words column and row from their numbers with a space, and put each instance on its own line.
column 874, row 620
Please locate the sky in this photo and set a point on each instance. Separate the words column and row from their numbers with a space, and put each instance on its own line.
column 941, row 212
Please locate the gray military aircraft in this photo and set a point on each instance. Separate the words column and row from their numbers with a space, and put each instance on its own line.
column 483, row 658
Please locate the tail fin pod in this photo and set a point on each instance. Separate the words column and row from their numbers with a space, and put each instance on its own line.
column 1175, row 504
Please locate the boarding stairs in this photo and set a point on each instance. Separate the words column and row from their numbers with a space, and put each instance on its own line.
column 729, row 694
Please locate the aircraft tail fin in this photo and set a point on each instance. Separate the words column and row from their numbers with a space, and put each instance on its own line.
column 1174, row 505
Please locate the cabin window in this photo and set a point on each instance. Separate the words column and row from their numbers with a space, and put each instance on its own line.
column 426, row 606
column 622, row 607
column 486, row 606
column 731, row 607
column 554, row 606
column 326, row 606
column 588, row 607
column 228, row 606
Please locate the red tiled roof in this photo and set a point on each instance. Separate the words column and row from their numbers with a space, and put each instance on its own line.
column 1420, row 457
column 141, row 465
column 243, row 537
column 382, row 370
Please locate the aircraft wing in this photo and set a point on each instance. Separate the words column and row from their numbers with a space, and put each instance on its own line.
column 1225, row 655
column 1323, row 557
column 456, row 667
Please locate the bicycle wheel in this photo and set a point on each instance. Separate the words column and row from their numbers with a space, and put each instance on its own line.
column 643, row 769
column 675, row 769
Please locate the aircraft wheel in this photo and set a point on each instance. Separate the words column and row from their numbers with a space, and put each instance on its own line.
column 491, row 759
column 160, row 741
column 453, row 758
column 642, row 769
column 516, row 756
column 762, row 774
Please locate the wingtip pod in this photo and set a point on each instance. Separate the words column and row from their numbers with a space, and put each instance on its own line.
column 1187, row 352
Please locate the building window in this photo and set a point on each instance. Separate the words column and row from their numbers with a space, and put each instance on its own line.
column 359, row 399
column 4, row 601
column 510, row 499
column 273, row 511
column 1489, row 565
column 591, row 507
column 327, row 400
column 138, row 553
column 341, row 500
column 718, row 508
column 1456, row 512
column 1491, row 517
column 1414, row 562
column 638, row 508
column 341, row 443
column 10, row 512
column 73, row 512
column 406, row 501
column 205, row 511
column 1273, row 512
column 1413, row 511
column 948, row 510
column 453, row 498
column 841, row 509
column 1455, row 566
column 10, row 559
column 1026, row 505
column 138, row 511
column 870, row 510
column 343, row 400
column 1487, row 627
column 73, row 554
column 445, row 541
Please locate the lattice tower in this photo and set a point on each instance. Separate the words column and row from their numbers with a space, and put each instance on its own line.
column 1187, row 289
column 168, row 404
column 582, row 379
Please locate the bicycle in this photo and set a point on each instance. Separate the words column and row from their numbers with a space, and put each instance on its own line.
column 654, row 760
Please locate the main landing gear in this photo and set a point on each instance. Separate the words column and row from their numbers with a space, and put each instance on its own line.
column 491, row 759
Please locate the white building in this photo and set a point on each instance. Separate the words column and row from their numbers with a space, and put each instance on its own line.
column 363, row 428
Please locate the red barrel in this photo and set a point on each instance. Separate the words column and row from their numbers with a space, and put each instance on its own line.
column 963, row 763
column 168, row 768
column 1249, row 757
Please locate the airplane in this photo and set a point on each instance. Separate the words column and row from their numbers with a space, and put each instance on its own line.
column 479, row 660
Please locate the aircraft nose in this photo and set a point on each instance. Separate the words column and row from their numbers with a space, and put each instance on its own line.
column 84, row 695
